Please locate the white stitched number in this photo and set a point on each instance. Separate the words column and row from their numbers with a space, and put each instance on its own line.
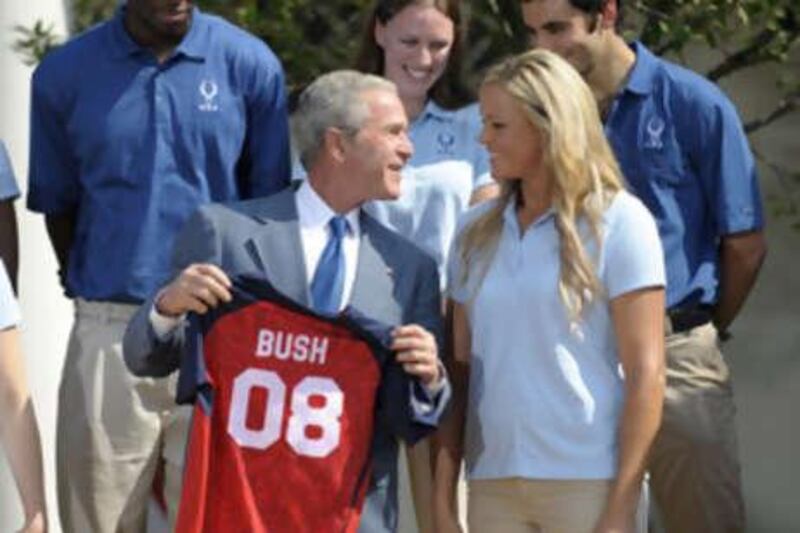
column 303, row 413
column 326, row 417
column 270, row 431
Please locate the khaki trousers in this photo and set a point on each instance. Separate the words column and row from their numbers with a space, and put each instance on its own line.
column 694, row 466
column 516, row 505
column 112, row 429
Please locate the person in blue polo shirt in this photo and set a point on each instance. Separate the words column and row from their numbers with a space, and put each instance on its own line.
column 134, row 124
column 9, row 247
column 419, row 46
column 684, row 153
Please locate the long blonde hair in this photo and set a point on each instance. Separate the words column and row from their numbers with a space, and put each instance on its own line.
column 575, row 153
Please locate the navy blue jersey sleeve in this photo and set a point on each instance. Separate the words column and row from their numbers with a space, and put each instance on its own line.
column 404, row 408
column 193, row 384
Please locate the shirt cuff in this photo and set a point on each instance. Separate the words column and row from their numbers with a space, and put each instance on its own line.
column 162, row 325
column 435, row 388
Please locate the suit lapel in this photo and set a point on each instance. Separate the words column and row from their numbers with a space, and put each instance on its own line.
column 277, row 250
column 373, row 288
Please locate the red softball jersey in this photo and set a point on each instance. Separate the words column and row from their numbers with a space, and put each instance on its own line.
column 285, row 403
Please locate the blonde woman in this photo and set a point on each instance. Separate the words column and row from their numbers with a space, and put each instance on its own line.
column 557, row 298
column 19, row 432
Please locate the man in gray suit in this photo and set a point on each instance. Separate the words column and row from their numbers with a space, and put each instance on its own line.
column 351, row 134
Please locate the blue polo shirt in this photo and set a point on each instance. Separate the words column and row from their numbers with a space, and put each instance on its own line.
column 8, row 185
column 134, row 146
column 448, row 164
column 546, row 394
column 684, row 153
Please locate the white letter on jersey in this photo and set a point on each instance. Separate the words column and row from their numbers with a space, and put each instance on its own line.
column 264, row 345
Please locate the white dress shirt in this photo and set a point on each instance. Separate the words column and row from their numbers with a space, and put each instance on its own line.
column 314, row 216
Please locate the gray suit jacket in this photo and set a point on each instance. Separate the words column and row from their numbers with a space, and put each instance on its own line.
column 395, row 283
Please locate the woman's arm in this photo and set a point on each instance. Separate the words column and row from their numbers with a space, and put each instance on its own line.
column 638, row 319
column 20, row 433
column 448, row 442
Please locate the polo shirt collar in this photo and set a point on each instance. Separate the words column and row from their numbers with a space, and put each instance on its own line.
column 510, row 216
column 192, row 45
column 433, row 110
column 642, row 78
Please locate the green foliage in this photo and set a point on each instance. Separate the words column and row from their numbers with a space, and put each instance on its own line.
column 34, row 42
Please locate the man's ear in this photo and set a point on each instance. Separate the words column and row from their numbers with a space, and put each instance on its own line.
column 380, row 33
column 608, row 14
column 335, row 143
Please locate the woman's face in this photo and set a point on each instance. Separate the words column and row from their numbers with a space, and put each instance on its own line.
column 416, row 45
column 513, row 142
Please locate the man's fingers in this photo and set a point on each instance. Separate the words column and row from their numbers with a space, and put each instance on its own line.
column 197, row 306
column 415, row 356
column 210, row 291
column 214, row 272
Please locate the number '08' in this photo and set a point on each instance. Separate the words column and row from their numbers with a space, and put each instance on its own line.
column 302, row 413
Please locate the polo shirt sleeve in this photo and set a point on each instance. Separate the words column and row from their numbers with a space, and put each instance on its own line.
column 9, row 310
column 8, row 185
column 53, row 179
column 632, row 256
column 481, row 170
column 721, row 156
column 265, row 166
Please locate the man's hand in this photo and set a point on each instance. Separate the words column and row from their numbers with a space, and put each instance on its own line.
column 198, row 288
column 417, row 352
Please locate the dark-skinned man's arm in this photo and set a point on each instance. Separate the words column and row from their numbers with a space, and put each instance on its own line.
column 61, row 230
column 740, row 256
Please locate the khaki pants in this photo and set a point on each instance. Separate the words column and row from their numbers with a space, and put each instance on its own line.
column 515, row 505
column 112, row 430
column 694, row 467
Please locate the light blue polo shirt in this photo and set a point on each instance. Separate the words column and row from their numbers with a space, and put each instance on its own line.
column 683, row 151
column 9, row 310
column 135, row 146
column 545, row 396
column 448, row 164
column 8, row 185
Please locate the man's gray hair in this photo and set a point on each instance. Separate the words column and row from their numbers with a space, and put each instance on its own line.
column 332, row 101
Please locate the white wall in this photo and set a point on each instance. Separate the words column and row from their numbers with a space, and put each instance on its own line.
column 46, row 314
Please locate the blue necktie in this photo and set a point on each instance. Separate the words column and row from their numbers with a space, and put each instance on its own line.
column 328, row 283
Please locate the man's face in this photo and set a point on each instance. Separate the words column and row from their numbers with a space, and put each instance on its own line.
column 380, row 148
column 166, row 20
column 573, row 34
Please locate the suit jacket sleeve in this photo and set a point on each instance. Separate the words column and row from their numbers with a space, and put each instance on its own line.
column 144, row 353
